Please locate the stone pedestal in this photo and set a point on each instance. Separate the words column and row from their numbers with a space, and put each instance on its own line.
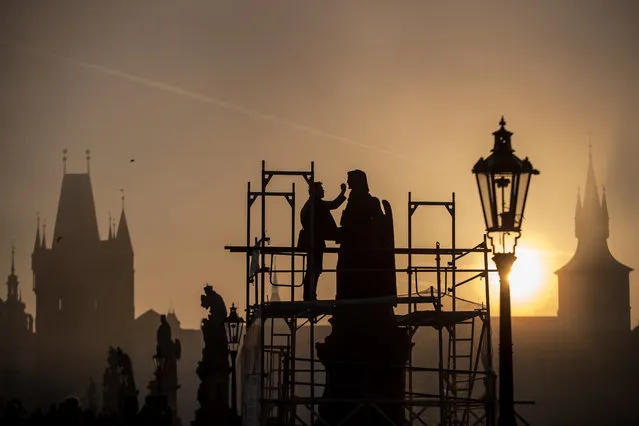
column 365, row 357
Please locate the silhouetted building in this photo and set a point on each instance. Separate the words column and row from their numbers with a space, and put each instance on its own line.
column 84, row 290
column 16, row 341
column 593, row 282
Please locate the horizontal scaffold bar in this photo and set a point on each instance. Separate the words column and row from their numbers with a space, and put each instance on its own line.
column 287, row 173
column 326, row 307
column 435, row 401
column 397, row 250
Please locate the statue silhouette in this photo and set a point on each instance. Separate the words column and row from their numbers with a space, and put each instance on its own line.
column 168, row 352
column 213, row 370
column 324, row 229
column 366, row 241
column 365, row 354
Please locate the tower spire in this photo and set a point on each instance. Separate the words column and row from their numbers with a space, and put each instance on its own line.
column 122, row 234
column 88, row 152
column 44, row 234
column 64, row 161
column 591, row 220
column 110, row 227
column 37, row 244
column 12, row 282
column 13, row 258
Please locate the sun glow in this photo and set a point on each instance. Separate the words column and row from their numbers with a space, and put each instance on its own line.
column 527, row 276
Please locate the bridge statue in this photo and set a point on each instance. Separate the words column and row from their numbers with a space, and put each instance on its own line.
column 366, row 352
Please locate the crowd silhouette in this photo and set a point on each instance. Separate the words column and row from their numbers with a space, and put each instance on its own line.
column 70, row 413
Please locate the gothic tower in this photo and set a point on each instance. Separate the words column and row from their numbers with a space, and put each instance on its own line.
column 594, row 288
column 84, row 293
column 16, row 341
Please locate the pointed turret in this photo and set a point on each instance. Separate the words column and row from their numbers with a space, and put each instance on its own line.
column 110, row 228
column 123, row 235
column 591, row 220
column 591, row 194
column 76, row 220
column 604, row 208
column 38, row 243
column 577, row 212
column 12, row 281
column 44, row 236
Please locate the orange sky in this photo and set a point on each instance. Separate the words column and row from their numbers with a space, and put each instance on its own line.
column 341, row 83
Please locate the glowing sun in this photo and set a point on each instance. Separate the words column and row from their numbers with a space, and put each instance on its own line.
column 526, row 277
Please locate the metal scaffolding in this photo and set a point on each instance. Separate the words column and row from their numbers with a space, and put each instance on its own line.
column 282, row 379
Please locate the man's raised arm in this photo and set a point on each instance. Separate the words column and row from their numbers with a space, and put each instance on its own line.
column 339, row 200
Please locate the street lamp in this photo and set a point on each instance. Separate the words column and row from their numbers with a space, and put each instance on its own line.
column 234, row 327
column 503, row 180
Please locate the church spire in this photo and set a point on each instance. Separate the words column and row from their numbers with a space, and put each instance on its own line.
column 76, row 220
column 110, row 228
column 591, row 220
column 591, row 193
column 37, row 245
column 12, row 282
column 13, row 258
column 44, row 235
column 604, row 205
column 123, row 235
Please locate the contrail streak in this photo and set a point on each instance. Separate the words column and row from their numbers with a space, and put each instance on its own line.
column 158, row 85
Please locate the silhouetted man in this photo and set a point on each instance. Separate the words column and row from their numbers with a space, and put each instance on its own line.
column 325, row 229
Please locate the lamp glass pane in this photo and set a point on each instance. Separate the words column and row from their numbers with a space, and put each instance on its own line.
column 485, row 197
column 523, row 183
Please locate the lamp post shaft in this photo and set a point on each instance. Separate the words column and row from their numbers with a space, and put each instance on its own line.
column 504, row 263
column 233, row 388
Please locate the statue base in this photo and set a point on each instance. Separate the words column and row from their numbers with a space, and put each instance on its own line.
column 365, row 357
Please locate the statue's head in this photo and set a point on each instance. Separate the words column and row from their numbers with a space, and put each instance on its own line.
column 357, row 181
column 163, row 319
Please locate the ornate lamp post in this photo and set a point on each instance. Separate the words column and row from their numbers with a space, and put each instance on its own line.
column 503, row 180
column 234, row 328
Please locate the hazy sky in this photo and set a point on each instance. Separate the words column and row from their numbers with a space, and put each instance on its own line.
column 200, row 91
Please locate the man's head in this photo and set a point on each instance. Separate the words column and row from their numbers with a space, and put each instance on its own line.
column 316, row 189
column 357, row 181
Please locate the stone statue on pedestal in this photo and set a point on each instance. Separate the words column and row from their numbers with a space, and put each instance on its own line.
column 366, row 353
column 213, row 370
column 167, row 353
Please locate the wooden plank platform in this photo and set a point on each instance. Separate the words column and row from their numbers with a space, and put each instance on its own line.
column 436, row 319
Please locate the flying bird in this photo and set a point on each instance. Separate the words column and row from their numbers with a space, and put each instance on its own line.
column 132, row 160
